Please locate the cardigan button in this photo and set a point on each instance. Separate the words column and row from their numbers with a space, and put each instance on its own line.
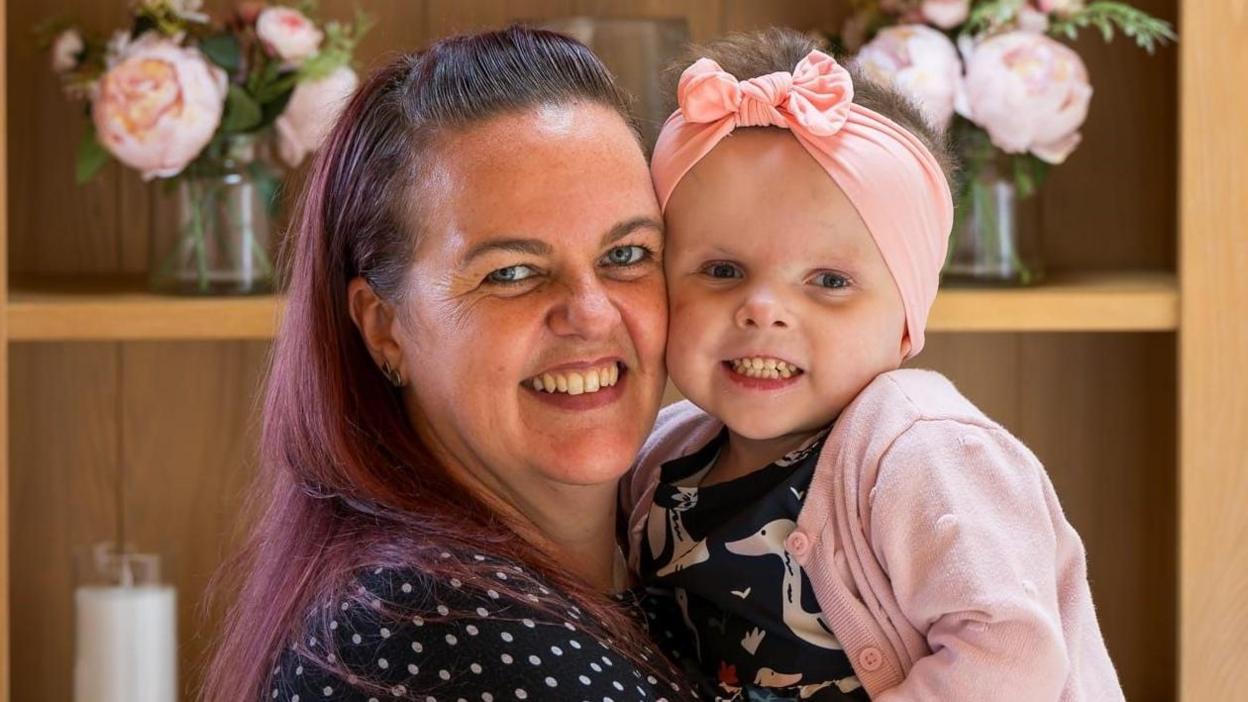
column 797, row 544
column 870, row 659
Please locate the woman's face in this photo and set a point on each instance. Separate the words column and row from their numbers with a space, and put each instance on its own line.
column 533, row 328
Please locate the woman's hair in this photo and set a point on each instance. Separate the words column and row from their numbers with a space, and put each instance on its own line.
column 750, row 54
column 345, row 483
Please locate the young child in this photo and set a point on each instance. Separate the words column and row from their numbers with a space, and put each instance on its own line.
column 833, row 527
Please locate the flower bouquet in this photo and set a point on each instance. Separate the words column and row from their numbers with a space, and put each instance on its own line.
column 198, row 104
column 1012, row 95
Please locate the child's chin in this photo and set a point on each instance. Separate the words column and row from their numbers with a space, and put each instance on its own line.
column 759, row 428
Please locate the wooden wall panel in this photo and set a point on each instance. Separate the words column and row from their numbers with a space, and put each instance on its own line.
column 188, row 464
column 5, row 532
column 1112, row 204
column 743, row 15
column 1098, row 411
column 58, row 226
column 64, row 477
column 1213, row 475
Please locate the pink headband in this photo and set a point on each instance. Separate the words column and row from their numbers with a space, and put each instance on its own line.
column 891, row 178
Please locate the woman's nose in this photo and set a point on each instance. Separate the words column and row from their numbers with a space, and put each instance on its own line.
column 761, row 310
column 587, row 312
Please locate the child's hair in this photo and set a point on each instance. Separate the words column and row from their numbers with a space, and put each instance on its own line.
column 749, row 54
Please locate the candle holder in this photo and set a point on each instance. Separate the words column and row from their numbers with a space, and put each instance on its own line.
column 125, row 627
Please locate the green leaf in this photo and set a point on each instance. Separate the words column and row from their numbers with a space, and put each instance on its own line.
column 272, row 109
column 1030, row 173
column 242, row 113
column 91, row 156
column 223, row 50
column 269, row 184
column 277, row 89
column 1106, row 16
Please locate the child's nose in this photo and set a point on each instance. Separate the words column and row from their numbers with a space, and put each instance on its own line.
column 761, row 311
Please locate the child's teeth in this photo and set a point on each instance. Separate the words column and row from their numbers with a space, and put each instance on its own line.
column 577, row 382
column 760, row 367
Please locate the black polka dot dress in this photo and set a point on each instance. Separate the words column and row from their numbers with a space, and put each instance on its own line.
column 437, row 641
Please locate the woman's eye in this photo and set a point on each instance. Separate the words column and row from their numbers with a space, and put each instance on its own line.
column 720, row 269
column 510, row 274
column 627, row 255
column 831, row 280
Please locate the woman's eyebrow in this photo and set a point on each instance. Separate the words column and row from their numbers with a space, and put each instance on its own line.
column 533, row 247
column 628, row 226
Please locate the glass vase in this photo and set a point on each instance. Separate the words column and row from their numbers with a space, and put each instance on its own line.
column 220, row 245
column 996, row 232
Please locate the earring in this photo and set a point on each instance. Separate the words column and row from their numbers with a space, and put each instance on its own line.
column 392, row 374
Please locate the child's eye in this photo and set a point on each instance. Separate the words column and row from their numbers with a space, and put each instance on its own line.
column 722, row 269
column 831, row 280
column 630, row 255
column 510, row 274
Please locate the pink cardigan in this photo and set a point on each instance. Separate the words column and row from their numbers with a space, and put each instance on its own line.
column 936, row 547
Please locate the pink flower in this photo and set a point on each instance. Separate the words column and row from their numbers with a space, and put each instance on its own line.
column 288, row 33
column 946, row 14
column 158, row 107
column 921, row 63
column 311, row 112
column 65, row 50
column 1029, row 92
column 1032, row 20
column 1061, row 7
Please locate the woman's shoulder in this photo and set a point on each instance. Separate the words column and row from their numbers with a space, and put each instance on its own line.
column 407, row 631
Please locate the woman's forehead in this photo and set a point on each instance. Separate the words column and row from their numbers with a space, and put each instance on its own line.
column 545, row 172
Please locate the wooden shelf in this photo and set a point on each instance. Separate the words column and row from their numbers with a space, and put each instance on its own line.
column 1111, row 301
column 118, row 309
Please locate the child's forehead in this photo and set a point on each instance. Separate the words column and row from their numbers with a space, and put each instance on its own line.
column 760, row 188
column 762, row 172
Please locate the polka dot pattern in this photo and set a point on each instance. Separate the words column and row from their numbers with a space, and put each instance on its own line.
column 405, row 637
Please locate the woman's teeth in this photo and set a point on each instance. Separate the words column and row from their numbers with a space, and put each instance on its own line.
column 577, row 382
column 762, row 367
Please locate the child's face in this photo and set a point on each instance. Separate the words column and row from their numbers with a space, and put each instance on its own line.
column 766, row 258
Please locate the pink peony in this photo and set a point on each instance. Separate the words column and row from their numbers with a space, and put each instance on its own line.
column 1032, row 20
column 66, row 48
column 1061, row 7
column 158, row 107
column 920, row 62
column 311, row 112
column 1029, row 92
column 287, row 33
column 946, row 14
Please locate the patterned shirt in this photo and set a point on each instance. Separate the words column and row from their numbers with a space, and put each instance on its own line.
column 443, row 641
column 754, row 622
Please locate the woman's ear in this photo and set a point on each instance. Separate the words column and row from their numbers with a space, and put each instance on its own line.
column 374, row 317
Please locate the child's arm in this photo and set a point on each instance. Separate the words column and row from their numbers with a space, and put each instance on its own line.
column 968, row 528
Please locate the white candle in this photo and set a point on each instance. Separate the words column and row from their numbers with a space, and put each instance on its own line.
column 126, row 644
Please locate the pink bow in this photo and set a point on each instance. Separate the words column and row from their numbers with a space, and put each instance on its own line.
column 817, row 95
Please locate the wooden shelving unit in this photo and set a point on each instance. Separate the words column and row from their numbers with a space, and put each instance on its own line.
column 1124, row 373
column 113, row 308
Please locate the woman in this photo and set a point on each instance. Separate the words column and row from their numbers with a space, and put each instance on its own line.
column 470, row 359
